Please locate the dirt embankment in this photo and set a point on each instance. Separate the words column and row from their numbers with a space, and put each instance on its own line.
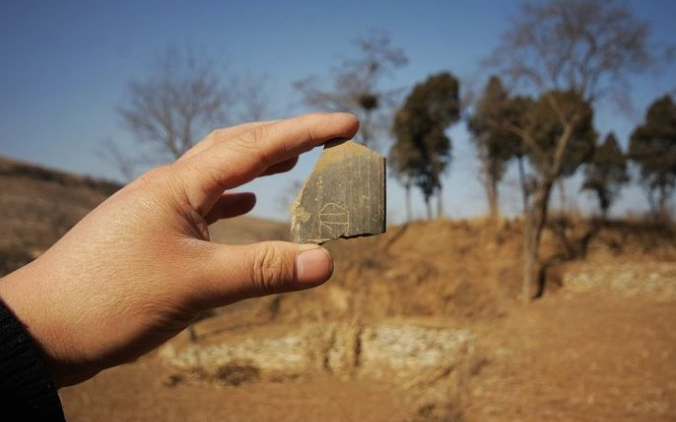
column 598, row 346
column 471, row 270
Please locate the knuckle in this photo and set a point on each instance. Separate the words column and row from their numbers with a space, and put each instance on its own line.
column 270, row 270
column 214, row 137
column 252, row 143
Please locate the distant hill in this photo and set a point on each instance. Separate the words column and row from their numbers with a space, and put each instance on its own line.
column 38, row 205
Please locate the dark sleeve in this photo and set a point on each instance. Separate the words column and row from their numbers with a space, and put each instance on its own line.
column 26, row 389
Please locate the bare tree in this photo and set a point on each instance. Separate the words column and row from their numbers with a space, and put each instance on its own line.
column 354, row 86
column 252, row 97
column 582, row 47
column 177, row 103
column 586, row 46
column 557, row 135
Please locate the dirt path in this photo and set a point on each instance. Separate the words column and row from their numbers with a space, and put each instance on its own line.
column 578, row 359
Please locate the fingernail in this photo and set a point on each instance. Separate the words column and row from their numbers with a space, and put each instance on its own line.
column 313, row 265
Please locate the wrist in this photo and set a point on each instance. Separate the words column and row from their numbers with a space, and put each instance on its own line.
column 23, row 295
column 27, row 387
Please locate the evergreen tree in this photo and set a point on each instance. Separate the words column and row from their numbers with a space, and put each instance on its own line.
column 495, row 144
column 653, row 148
column 422, row 150
column 606, row 173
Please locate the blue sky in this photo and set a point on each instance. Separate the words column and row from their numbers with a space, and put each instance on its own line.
column 65, row 66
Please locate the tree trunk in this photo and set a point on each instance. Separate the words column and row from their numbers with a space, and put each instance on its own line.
column 562, row 195
column 529, row 259
column 604, row 204
column 491, row 187
column 440, row 205
column 604, row 215
column 428, row 206
column 408, row 202
column 662, row 205
column 536, row 217
column 651, row 203
column 522, row 182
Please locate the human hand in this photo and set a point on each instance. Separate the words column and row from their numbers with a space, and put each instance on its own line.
column 137, row 269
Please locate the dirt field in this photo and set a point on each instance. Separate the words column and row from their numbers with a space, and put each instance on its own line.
column 579, row 359
column 563, row 359
column 589, row 350
column 137, row 393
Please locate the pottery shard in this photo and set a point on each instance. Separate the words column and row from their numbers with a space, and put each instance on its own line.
column 343, row 197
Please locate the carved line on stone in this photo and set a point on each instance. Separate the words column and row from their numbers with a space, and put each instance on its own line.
column 330, row 225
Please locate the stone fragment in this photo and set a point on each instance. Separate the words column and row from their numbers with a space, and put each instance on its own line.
column 343, row 197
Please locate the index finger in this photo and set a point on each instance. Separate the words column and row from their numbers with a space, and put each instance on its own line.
column 233, row 162
column 221, row 134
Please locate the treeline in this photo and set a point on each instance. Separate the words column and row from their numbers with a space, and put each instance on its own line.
column 560, row 59
column 552, row 135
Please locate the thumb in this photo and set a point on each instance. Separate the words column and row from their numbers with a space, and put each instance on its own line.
column 240, row 272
